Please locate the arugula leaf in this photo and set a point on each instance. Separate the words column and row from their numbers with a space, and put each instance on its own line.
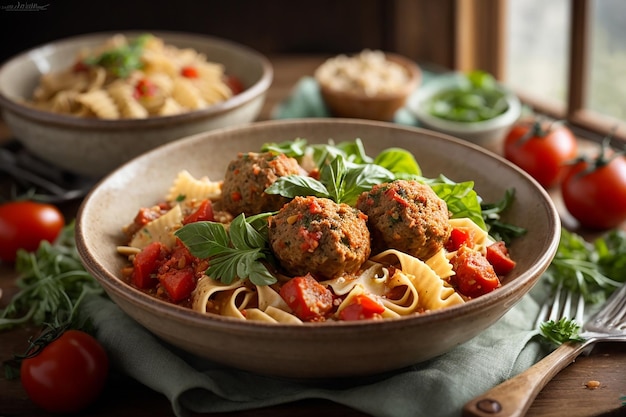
column 593, row 269
column 51, row 279
column 238, row 252
column 496, row 228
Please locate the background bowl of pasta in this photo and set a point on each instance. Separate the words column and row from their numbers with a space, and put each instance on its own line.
column 395, row 338
column 89, row 103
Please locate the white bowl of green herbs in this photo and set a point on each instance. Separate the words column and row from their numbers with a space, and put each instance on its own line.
column 471, row 106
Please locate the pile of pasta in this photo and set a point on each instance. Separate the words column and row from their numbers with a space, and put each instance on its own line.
column 421, row 285
column 167, row 81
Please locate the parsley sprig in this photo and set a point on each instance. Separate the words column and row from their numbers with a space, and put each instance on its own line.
column 561, row 331
column 51, row 279
column 239, row 252
column 594, row 269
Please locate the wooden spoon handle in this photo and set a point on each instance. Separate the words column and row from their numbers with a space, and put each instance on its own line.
column 513, row 397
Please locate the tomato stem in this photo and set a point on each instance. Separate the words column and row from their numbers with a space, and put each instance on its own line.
column 537, row 129
column 604, row 157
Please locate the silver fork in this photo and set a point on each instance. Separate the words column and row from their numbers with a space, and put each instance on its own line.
column 513, row 397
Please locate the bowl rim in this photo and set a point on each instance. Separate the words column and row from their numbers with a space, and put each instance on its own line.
column 415, row 80
column 118, row 287
column 50, row 118
column 416, row 105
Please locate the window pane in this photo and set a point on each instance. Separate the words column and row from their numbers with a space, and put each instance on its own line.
column 537, row 45
column 607, row 70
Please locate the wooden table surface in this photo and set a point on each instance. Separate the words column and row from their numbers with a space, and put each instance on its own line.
column 565, row 395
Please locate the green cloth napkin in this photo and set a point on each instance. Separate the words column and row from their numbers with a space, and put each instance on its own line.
column 437, row 388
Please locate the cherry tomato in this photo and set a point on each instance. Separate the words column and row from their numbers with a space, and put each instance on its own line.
column 24, row 224
column 594, row 192
column 542, row 150
column 68, row 374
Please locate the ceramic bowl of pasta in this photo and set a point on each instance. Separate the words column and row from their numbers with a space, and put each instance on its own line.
column 314, row 248
column 369, row 85
column 87, row 104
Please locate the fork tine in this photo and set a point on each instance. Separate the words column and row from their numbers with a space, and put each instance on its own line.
column 612, row 316
column 563, row 306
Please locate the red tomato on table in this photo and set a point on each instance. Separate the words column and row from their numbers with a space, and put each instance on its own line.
column 24, row 224
column 542, row 150
column 594, row 191
column 68, row 374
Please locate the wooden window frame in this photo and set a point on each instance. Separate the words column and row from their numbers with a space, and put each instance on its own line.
column 471, row 34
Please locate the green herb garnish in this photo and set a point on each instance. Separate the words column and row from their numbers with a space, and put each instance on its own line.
column 498, row 229
column 52, row 279
column 558, row 332
column 121, row 61
column 594, row 269
column 340, row 181
column 476, row 98
column 238, row 252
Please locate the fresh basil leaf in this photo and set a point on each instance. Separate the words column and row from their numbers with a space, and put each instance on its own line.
column 204, row 239
column 291, row 186
column 294, row 148
column 398, row 161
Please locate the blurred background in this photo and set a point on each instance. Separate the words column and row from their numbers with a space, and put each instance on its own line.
column 563, row 57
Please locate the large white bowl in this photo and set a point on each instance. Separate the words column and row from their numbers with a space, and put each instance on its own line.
column 94, row 147
column 488, row 133
column 331, row 349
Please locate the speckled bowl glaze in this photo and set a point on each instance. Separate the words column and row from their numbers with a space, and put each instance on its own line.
column 382, row 107
column 93, row 147
column 314, row 350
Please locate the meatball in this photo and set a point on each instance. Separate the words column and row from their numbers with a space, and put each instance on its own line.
column 246, row 179
column 407, row 216
column 318, row 236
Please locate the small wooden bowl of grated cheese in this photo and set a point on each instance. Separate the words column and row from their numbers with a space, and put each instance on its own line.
column 370, row 85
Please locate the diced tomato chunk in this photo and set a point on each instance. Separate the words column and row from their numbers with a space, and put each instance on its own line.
column 474, row 275
column 189, row 72
column 144, row 88
column 309, row 300
column 498, row 256
column 145, row 265
column 459, row 236
column 364, row 307
column 179, row 283
column 234, row 83
column 204, row 212
column 146, row 215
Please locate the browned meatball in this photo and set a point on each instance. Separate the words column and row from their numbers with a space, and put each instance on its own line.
column 318, row 236
column 248, row 176
column 407, row 216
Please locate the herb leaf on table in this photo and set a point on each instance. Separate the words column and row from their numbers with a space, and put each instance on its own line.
column 51, row 280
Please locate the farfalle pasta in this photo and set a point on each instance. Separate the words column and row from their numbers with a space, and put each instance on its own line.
column 134, row 79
